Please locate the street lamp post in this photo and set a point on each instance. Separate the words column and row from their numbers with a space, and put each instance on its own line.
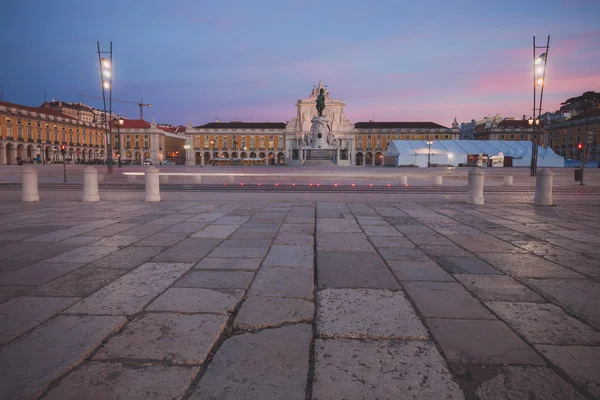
column 118, row 122
column 212, row 144
column 429, row 143
column 539, row 79
column 106, row 78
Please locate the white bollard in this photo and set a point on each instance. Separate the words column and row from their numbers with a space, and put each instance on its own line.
column 475, row 191
column 100, row 177
column 197, row 178
column 152, row 184
column 29, row 183
column 229, row 179
column 543, row 188
column 403, row 180
column 130, row 178
column 90, row 184
column 437, row 180
column 163, row 178
column 508, row 180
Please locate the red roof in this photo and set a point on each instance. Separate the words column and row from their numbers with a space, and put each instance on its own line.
column 133, row 124
column 40, row 110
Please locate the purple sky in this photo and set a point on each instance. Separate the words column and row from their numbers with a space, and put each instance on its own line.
column 252, row 60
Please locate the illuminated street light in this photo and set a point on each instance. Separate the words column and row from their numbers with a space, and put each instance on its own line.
column 539, row 69
column 539, row 81
column 429, row 143
column 539, row 78
column 105, row 63
column 541, row 58
column 106, row 85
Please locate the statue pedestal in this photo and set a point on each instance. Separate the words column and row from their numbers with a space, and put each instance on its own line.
column 319, row 133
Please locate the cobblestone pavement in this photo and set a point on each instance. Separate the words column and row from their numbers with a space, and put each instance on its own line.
column 263, row 298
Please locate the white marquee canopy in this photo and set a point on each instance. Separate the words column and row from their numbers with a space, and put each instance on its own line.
column 455, row 152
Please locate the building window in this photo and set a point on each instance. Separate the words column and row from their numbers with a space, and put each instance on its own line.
column 128, row 143
column 29, row 132
column 512, row 136
column 522, row 136
column 19, row 133
column 38, row 124
column 501, row 136
column 18, row 121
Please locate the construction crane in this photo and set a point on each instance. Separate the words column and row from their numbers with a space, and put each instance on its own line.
column 141, row 103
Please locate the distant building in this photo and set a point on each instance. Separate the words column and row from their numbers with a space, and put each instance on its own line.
column 564, row 136
column 80, row 111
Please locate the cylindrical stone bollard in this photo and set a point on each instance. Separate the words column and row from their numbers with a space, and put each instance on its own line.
column 163, row 178
column 90, row 184
column 29, row 182
column 475, row 190
column 229, row 179
column 198, row 179
column 543, row 188
column 508, row 180
column 130, row 178
column 100, row 177
column 152, row 184
column 403, row 180
column 437, row 180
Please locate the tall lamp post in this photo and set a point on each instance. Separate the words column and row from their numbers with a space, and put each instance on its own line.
column 118, row 122
column 212, row 145
column 539, row 79
column 429, row 143
column 106, row 78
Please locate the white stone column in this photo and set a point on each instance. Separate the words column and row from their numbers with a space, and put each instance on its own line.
column 508, row 180
column 437, row 180
column 403, row 180
column 90, row 184
column 198, row 179
column 29, row 183
column 152, row 184
column 543, row 188
column 475, row 190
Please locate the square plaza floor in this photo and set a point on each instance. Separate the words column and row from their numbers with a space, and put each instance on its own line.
column 266, row 298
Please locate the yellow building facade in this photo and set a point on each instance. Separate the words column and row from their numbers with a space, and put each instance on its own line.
column 564, row 137
column 35, row 134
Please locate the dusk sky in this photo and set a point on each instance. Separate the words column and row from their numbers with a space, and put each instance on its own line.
column 252, row 60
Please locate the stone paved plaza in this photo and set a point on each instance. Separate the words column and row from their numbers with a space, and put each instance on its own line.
column 227, row 296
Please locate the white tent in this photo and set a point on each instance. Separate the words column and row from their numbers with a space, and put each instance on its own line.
column 455, row 152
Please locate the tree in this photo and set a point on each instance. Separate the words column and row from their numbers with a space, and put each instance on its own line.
column 581, row 103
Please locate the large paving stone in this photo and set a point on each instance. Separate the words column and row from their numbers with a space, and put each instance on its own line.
column 80, row 283
column 187, row 226
column 367, row 313
column 578, row 296
column 8, row 292
column 161, row 239
column 297, row 228
column 253, row 234
column 196, row 300
column 380, row 230
column 337, row 225
column 119, row 241
column 127, row 258
column 245, row 243
column 215, row 231
column 483, row 244
column 545, row 324
column 374, row 370
column 177, row 338
column 20, row 314
column 480, row 342
column 430, row 237
column 130, row 293
column 29, row 365
column 527, row 383
column 34, row 252
column 267, row 312
column 248, row 264
column 215, row 279
column 497, row 288
column 444, row 251
column 101, row 380
column 343, row 242
column 391, row 241
column 419, row 271
column 527, row 266
column 39, row 273
column 467, row 265
column 269, row 365
column 445, row 300
column 294, row 238
column 290, row 256
column 284, row 282
column 579, row 362
column 188, row 250
column 353, row 270
column 403, row 254
column 111, row 230
column 239, row 252
column 84, row 254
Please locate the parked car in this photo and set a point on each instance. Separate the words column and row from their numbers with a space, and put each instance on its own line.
column 168, row 162
column 148, row 162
